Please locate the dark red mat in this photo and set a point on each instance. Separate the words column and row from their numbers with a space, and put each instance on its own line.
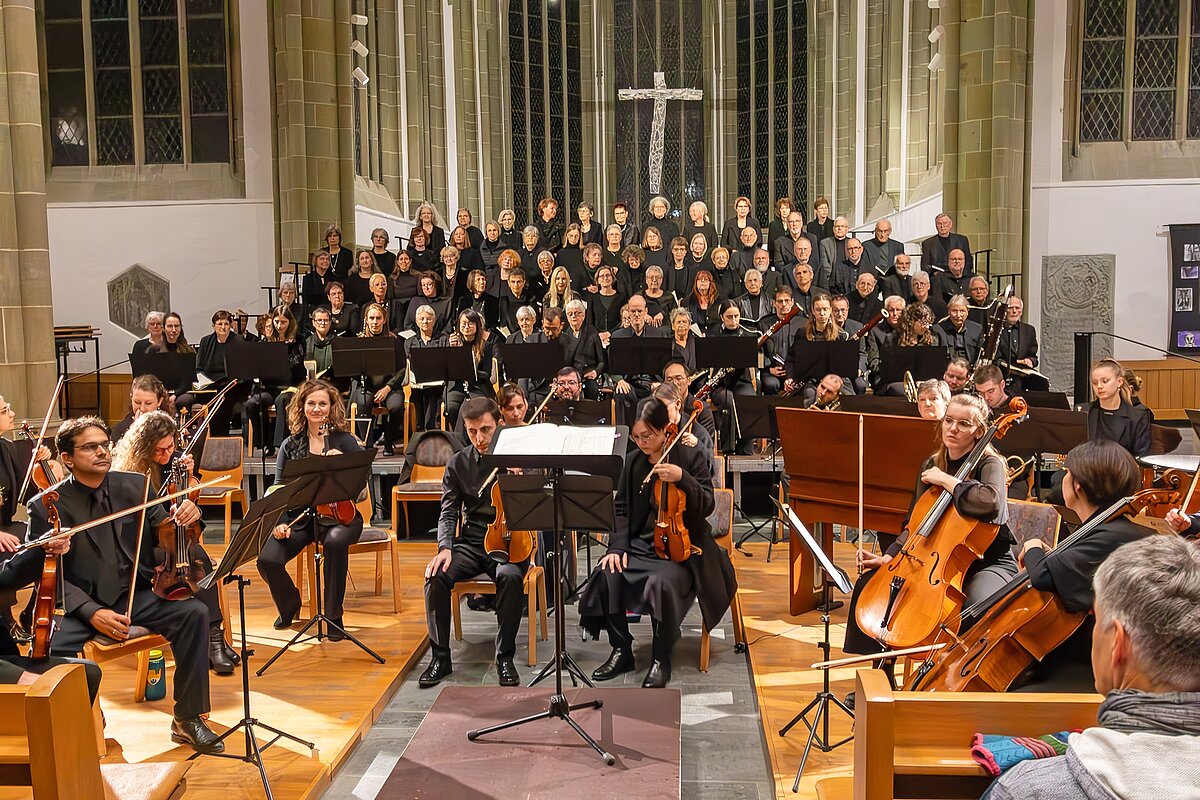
column 544, row 759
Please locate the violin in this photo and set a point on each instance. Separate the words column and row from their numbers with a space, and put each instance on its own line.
column 342, row 511
column 1019, row 624
column 45, row 611
column 504, row 545
column 672, row 540
column 176, row 570
column 916, row 594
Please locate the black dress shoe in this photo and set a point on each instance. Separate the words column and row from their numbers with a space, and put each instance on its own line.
column 218, row 662
column 508, row 672
column 336, row 631
column 435, row 673
column 230, row 653
column 619, row 662
column 850, row 701
column 658, row 676
column 196, row 734
column 281, row 622
column 388, row 450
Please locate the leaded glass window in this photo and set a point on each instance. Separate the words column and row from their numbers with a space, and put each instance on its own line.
column 660, row 36
column 1139, row 70
column 137, row 81
column 772, row 103
column 544, row 81
column 368, row 135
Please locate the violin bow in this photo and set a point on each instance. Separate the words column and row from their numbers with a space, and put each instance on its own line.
column 208, row 409
column 137, row 555
column 861, row 498
column 41, row 433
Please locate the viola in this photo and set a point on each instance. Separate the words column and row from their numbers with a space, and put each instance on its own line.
column 506, row 546
column 343, row 511
column 907, row 601
column 1019, row 624
column 45, row 611
column 176, row 570
column 672, row 540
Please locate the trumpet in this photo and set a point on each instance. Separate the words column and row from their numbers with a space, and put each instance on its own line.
column 910, row 387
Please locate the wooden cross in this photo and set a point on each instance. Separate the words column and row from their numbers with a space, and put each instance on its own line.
column 660, row 94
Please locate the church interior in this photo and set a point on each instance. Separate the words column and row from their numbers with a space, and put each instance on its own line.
column 629, row 327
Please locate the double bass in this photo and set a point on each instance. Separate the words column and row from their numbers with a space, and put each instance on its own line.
column 1017, row 625
column 913, row 597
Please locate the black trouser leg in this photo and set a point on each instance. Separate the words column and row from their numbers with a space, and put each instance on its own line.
column 91, row 669
column 468, row 561
column 272, row 565
column 336, row 541
column 184, row 623
column 510, row 596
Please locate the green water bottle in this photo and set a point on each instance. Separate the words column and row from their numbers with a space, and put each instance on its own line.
column 156, row 676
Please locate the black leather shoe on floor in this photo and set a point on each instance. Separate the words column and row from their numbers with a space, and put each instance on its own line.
column 508, row 672
column 850, row 701
column 619, row 662
column 281, row 622
column 218, row 661
column 230, row 653
column 658, row 676
column 196, row 734
column 435, row 673
column 336, row 632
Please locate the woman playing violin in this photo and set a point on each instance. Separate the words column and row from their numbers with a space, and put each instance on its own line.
column 317, row 419
column 150, row 447
column 631, row 577
column 982, row 496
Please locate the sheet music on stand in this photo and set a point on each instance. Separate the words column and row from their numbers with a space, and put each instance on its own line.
column 555, row 440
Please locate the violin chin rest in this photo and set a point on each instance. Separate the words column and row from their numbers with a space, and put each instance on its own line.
column 500, row 556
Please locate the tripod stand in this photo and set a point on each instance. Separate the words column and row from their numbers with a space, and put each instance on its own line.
column 248, row 723
column 558, row 707
column 319, row 619
column 557, row 556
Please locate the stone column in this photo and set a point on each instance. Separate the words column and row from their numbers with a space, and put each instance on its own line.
column 27, row 365
column 986, row 186
column 315, row 123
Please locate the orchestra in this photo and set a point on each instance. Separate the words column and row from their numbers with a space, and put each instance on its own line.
column 587, row 287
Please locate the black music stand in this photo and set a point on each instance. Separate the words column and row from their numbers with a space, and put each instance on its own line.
column 833, row 575
column 558, row 502
column 358, row 357
column 254, row 530
column 736, row 352
column 1038, row 399
column 757, row 417
column 536, row 361
column 578, row 412
column 177, row 371
column 878, row 404
column 260, row 363
column 812, row 361
column 336, row 478
column 924, row 362
column 644, row 355
column 445, row 364
column 1047, row 430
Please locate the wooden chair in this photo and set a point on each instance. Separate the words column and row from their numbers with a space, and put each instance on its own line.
column 918, row 744
column 46, row 743
column 721, row 521
column 424, row 484
column 223, row 455
column 718, row 477
column 140, row 642
column 535, row 594
column 373, row 540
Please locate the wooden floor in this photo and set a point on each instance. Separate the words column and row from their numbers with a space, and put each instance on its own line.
column 330, row 694
column 781, row 649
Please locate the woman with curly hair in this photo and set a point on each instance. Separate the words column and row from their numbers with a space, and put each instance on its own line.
column 149, row 448
column 317, row 420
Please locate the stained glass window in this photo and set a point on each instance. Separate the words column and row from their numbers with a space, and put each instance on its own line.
column 772, row 103
column 547, row 130
column 1193, row 127
column 179, row 91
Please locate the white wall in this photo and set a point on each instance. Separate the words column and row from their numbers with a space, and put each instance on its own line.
column 1083, row 217
column 215, row 254
column 368, row 219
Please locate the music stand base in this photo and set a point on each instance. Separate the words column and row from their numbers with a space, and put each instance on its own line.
column 574, row 671
column 558, row 709
column 821, row 703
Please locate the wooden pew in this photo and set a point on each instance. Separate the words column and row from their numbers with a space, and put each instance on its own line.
column 48, row 749
column 918, row 744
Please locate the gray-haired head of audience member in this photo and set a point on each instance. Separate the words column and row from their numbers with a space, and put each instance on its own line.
column 1147, row 634
column 575, row 306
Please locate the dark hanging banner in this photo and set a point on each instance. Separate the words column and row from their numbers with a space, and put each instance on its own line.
column 1185, row 290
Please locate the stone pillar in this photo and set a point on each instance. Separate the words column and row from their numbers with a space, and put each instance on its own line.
column 986, row 187
column 27, row 365
column 315, row 123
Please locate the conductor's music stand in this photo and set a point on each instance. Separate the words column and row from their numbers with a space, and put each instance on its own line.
column 578, row 412
column 538, row 361
column 337, row 478
column 558, row 502
column 245, row 545
column 177, row 371
column 833, row 575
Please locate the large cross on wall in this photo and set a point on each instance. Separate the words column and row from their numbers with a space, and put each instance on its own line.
column 660, row 94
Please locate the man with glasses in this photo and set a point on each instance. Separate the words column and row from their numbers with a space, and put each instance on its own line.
column 676, row 374
column 777, row 347
column 95, row 579
column 154, row 333
column 553, row 330
column 845, row 272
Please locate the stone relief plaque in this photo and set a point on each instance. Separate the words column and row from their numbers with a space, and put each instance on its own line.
column 132, row 294
column 1077, row 295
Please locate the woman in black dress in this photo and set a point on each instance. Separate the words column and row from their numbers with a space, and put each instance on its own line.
column 145, row 395
column 659, row 302
column 631, row 577
column 590, row 228
column 698, row 222
column 1111, row 416
column 429, row 221
column 704, row 303
column 424, row 398
column 470, row 333
column 737, row 382
column 509, row 235
column 778, row 226
column 614, row 247
column 654, row 248
column 679, row 278
column 491, row 247
column 284, row 328
column 604, row 307
column 383, row 391
column 821, row 225
column 549, row 224
column 317, row 419
column 313, row 285
column 731, row 234
column 424, row 257
column 357, row 284
column 346, row 321
column 341, row 260
column 469, row 257
column 384, row 258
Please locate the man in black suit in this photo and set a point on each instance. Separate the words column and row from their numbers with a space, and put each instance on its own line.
column 95, row 580
column 553, row 330
column 675, row 373
column 881, row 250
column 961, row 334
column 1018, row 340
column 955, row 280
column 783, row 249
column 632, row 388
column 899, row 282
column 935, row 251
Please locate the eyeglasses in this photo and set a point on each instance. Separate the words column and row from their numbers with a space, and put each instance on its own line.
column 164, row 450
column 91, row 448
column 959, row 424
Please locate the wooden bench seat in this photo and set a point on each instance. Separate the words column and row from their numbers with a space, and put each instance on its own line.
column 918, row 744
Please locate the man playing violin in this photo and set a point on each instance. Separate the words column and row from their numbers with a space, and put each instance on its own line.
column 96, row 578
column 467, row 508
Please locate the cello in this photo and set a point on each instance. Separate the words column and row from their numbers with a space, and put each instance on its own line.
column 1017, row 625
column 911, row 598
